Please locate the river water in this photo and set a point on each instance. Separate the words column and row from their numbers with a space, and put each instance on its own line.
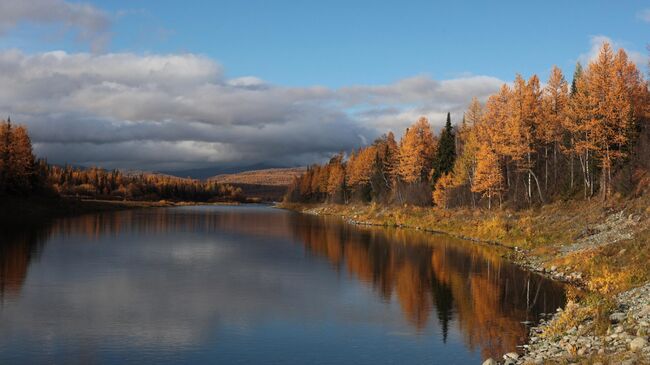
column 256, row 285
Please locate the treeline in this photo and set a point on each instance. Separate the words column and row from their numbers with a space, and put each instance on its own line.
column 115, row 185
column 21, row 174
column 526, row 145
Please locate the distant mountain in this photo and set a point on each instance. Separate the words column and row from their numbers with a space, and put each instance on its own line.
column 265, row 184
column 274, row 177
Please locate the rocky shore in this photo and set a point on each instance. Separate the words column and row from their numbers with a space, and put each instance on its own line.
column 624, row 342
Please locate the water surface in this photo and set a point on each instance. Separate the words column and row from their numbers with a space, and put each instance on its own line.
column 253, row 284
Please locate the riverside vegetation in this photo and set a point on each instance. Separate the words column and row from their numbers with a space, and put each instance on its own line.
column 560, row 173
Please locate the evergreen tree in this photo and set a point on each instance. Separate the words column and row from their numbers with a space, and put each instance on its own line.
column 446, row 153
column 576, row 76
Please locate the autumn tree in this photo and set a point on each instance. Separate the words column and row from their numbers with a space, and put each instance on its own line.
column 603, row 114
column 18, row 168
column 575, row 127
column 488, row 180
column 468, row 144
column 443, row 189
column 336, row 183
column 387, row 160
column 551, row 131
column 416, row 152
column 360, row 169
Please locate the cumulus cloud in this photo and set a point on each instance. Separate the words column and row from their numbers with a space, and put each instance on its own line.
column 90, row 23
column 597, row 41
column 395, row 106
column 644, row 15
column 178, row 111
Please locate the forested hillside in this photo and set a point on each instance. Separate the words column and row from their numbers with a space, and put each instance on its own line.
column 529, row 144
column 262, row 185
column 21, row 175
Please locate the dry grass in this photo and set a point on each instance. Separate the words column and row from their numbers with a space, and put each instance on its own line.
column 593, row 306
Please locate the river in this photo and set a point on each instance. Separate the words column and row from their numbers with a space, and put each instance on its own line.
column 256, row 285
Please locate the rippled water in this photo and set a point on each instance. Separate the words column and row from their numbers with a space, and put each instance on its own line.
column 253, row 284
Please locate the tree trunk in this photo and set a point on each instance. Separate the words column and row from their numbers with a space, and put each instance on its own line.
column 546, row 168
column 489, row 199
column 571, row 163
column 537, row 183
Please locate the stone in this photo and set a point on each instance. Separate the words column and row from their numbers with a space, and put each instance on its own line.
column 638, row 344
column 511, row 355
column 619, row 329
column 490, row 361
column 617, row 317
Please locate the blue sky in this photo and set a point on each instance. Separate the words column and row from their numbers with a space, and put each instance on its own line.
column 173, row 85
column 336, row 43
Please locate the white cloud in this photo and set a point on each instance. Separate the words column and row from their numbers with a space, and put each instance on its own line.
column 90, row 23
column 640, row 59
column 644, row 15
column 179, row 111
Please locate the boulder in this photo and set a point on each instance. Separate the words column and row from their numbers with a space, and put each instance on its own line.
column 638, row 344
column 617, row 317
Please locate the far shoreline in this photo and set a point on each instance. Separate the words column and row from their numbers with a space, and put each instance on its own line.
column 22, row 210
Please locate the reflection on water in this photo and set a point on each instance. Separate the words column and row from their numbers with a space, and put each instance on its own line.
column 255, row 284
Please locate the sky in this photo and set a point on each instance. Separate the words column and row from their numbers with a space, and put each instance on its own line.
column 167, row 85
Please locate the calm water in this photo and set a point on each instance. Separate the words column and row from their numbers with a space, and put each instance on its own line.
column 255, row 285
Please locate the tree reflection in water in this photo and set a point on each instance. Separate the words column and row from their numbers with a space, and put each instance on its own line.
column 470, row 283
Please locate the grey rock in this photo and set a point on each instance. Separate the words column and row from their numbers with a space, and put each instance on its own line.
column 617, row 317
column 638, row 344
column 490, row 361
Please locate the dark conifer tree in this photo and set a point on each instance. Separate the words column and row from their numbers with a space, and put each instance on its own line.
column 446, row 153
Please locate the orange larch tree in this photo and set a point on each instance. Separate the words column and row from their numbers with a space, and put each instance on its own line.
column 551, row 130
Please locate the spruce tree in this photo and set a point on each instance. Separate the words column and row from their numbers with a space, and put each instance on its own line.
column 446, row 153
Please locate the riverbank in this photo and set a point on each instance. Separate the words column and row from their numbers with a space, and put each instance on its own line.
column 601, row 248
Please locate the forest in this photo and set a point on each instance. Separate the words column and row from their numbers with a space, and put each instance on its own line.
column 21, row 175
column 528, row 144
